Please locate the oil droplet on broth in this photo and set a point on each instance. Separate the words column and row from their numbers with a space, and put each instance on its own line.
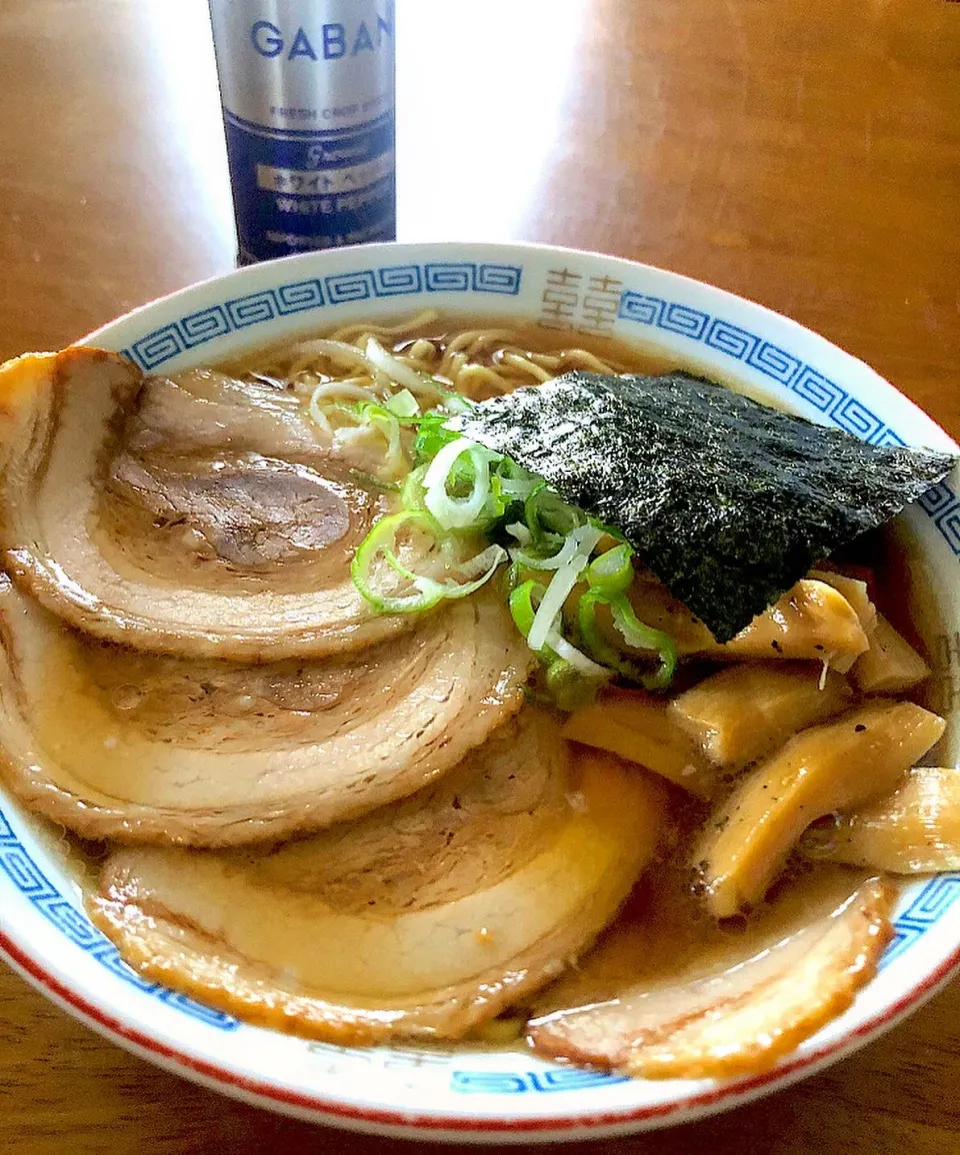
column 126, row 697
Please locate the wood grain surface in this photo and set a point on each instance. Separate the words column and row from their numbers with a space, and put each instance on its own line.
column 804, row 153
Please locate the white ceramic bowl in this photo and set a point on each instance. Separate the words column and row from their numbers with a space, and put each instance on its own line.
column 459, row 1093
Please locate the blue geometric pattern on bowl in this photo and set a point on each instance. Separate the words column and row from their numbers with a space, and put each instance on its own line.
column 485, row 1082
column 942, row 506
column 930, row 904
column 940, row 503
column 187, row 332
column 29, row 879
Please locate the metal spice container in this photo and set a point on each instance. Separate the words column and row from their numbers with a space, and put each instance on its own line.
column 307, row 88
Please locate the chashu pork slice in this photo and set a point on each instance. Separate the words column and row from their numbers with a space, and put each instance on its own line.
column 199, row 515
column 120, row 743
column 658, row 1001
column 421, row 920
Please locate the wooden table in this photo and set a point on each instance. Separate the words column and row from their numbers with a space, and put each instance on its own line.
column 804, row 153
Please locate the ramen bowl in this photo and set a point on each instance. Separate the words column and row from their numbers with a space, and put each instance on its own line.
column 467, row 1092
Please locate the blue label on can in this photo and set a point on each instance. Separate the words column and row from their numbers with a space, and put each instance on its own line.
column 307, row 89
column 298, row 190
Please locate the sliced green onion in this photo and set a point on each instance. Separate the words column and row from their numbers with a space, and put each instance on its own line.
column 403, row 404
column 484, row 562
column 458, row 484
column 452, row 590
column 455, row 403
column 511, row 578
column 549, row 516
column 610, row 530
column 427, row 591
column 386, row 423
column 452, row 403
column 381, row 421
column 523, row 605
column 519, row 531
column 510, row 471
column 458, row 512
column 592, row 636
column 411, row 495
column 574, row 657
column 432, row 436
column 332, row 395
column 496, row 504
column 612, row 572
column 381, row 542
column 518, row 487
column 561, row 584
column 524, row 601
column 551, row 561
column 644, row 637
column 567, row 688
column 376, row 482
column 635, row 633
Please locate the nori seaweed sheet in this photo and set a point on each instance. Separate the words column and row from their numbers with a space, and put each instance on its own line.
column 729, row 502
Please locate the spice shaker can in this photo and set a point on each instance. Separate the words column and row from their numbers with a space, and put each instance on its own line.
column 307, row 88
